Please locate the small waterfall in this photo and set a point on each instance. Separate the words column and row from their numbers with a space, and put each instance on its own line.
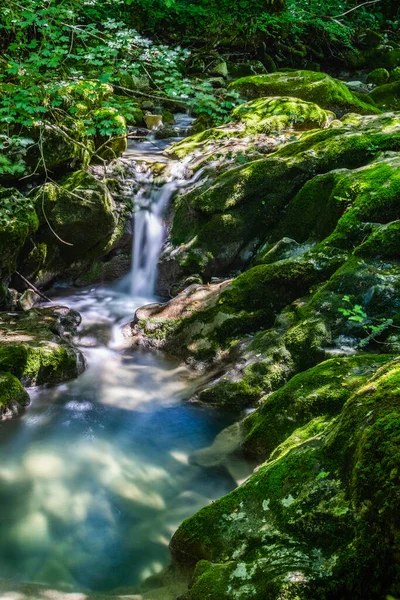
column 150, row 204
column 149, row 232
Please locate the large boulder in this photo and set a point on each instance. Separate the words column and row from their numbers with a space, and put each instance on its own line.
column 217, row 228
column 78, row 223
column 378, row 76
column 319, row 519
column 36, row 348
column 387, row 96
column 320, row 88
column 266, row 115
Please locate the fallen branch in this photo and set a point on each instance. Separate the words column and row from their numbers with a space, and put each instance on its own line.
column 32, row 287
column 355, row 8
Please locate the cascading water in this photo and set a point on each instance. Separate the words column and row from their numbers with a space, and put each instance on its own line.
column 150, row 204
column 148, row 238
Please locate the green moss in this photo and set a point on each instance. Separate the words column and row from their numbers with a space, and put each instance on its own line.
column 269, row 287
column 197, row 141
column 395, row 75
column 18, row 220
column 344, row 203
column 317, row 393
column 311, row 86
column 265, row 115
column 228, row 393
column 33, row 348
column 224, row 221
column 81, row 212
column 384, row 242
column 12, row 395
column 320, row 518
column 378, row 76
column 387, row 96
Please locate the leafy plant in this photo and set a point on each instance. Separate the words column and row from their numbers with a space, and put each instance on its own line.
column 63, row 63
column 372, row 327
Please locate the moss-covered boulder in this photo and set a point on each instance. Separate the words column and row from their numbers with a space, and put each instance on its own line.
column 318, row 393
column 265, row 115
column 78, row 222
column 387, row 97
column 35, row 346
column 45, row 149
column 378, row 76
column 18, row 220
column 350, row 204
column 252, row 119
column 395, row 75
column 327, row 92
column 202, row 322
column 319, row 519
column 217, row 227
column 245, row 68
column 13, row 396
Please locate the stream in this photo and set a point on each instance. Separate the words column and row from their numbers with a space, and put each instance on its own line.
column 97, row 474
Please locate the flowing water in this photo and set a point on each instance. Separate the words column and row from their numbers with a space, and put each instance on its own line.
column 96, row 475
column 150, row 205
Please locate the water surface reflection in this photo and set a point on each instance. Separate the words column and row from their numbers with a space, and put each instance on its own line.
column 95, row 476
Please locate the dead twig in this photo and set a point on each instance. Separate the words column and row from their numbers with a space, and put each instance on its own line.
column 32, row 287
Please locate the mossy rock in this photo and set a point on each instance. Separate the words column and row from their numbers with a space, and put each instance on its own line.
column 66, row 147
column 395, row 75
column 347, row 204
column 13, row 396
column 34, row 348
column 265, row 115
column 78, row 219
column 315, row 520
column 378, row 76
column 383, row 56
column 387, row 96
column 319, row 392
column 18, row 220
column 384, row 242
column 204, row 134
column 221, row 224
column 327, row 92
column 246, row 68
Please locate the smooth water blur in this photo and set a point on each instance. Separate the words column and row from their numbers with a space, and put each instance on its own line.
column 95, row 476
